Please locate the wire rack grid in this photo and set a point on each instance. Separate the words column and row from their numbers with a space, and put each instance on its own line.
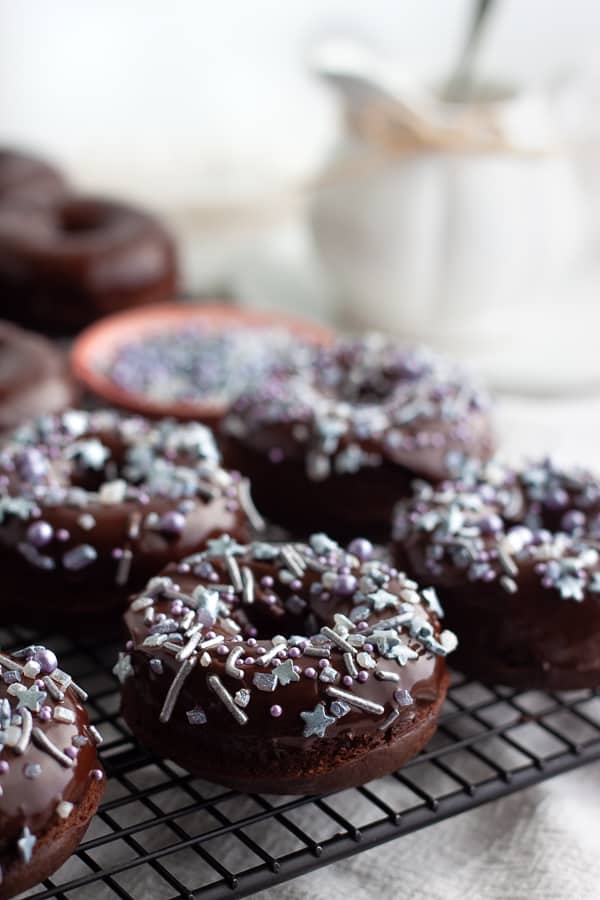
column 162, row 833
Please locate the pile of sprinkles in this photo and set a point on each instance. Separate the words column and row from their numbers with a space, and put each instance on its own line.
column 361, row 402
column 198, row 363
column 194, row 637
column 495, row 520
column 82, row 465
column 37, row 697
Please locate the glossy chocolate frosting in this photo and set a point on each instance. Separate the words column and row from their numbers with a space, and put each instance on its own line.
column 365, row 415
column 91, row 504
column 65, row 262
column 211, row 679
column 514, row 556
column 33, row 377
column 48, row 760
column 27, row 179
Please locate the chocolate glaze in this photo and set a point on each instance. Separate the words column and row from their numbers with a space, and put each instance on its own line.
column 92, row 504
column 336, row 444
column 514, row 556
column 33, row 377
column 273, row 747
column 33, row 781
column 74, row 258
column 27, row 179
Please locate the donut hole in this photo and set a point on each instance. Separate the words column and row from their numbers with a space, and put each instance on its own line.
column 81, row 218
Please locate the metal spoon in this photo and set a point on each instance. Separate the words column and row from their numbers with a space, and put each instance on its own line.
column 461, row 81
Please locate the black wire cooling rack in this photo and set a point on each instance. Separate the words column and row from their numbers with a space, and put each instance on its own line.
column 161, row 833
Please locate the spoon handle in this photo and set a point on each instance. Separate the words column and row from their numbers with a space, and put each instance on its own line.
column 460, row 83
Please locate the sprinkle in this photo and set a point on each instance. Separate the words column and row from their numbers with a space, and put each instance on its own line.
column 384, row 675
column 317, row 721
column 31, row 699
column 26, row 844
column 211, row 642
column 341, row 642
column 389, row 720
column 286, row 673
column 124, row 567
column 293, row 560
column 358, row 702
column 86, row 521
column 365, row 660
column 32, row 770
column 123, row 668
column 338, row 708
column 403, row 697
column 265, row 681
column 31, row 669
column 247, row 585
column 247, row 504
column 216, row 685
column 78, row 691
column 233, row 570
column 242, row 697
column 276, row 710
column 62, row 714
column 230, row 663
column 97, row 738
column 196, row 716
column 329, row 675
column 205, row 660
column 317, row 651
column 41, row 740
column 509, row 584
column 113, row 492
column 174, row 689
column 188, row 648
column 26, row 726
column 507, row 562
column 79, row 557
column 350, row 665
column 64, row 809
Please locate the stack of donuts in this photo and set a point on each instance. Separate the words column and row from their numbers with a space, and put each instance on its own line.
column 285, row 587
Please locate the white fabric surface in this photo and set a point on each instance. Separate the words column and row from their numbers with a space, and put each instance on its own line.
column 537, row 844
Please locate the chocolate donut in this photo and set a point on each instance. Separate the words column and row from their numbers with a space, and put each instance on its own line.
column 50, row 778
column 92, row 504
column 210, row 680
column 33, row 377
column 514, row 557
column 336, row 444
column 70, row 260
column 27, row 179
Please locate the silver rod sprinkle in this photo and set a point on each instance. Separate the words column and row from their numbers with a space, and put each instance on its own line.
column 9, row 663
column 389, row 721
column 350, row 665
column 211, row 642
column 124, row 567
column 230, row 663
column 317, row 651
column 26, row 726
column 289, row 557
column 233, row 570
column 248, row 585
column 247, row 504
column 53, row 689
column 96, row 736
column 337, row 639
column 358, row 702
column 78, row 691
column 384, row 675
column 173, row 692
column 218, row 688
column 44, row 743
column 188, row 648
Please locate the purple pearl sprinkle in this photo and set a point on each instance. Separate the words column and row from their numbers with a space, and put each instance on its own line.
column 222, row 650
column 362, row 548
column 323, row 663
column 363, row 676
column 97, row 774
column 309, row 672
column 252, row 642
column 294, row 652
column 266, row 581
column 40, row 533
column 345, row 585
column 47, row 660
column 4, row 767
column 71, row 752
column 62, row 534
column 45, row 713
column 172, row 523
column 347, row 681
column 276, row 710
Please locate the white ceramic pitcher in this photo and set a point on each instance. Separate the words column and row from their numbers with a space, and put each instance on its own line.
column 436, row 231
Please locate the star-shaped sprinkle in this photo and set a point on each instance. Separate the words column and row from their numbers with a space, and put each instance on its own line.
column 26, row 843
column 383, row 599
column 224, row 546
column 285, row 673
column 123, row 668
column 32, row 699
column 317, row 721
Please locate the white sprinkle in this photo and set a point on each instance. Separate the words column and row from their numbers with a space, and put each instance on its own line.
column 230, row 663
column 31, row 669
column 64, row 809
column 62, row 714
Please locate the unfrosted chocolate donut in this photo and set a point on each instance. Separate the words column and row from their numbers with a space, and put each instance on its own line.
column 74, row 258
column 33, row 377
column 514, row 555
column 285, row 668
column 92, row 504
column 336, row 443
column 27, row 179
column 50, row 779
